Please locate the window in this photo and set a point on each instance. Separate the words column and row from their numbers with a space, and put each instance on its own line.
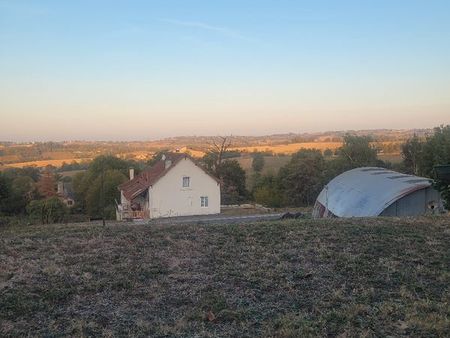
column 186, row 182
column 204, row 201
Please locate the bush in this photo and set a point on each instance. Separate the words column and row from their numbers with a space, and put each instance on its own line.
column 49, row 210
column 268, row 197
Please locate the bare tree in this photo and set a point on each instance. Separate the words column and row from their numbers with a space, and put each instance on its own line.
column 220, row 145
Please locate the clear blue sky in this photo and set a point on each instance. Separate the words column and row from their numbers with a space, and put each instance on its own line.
column 150, row 69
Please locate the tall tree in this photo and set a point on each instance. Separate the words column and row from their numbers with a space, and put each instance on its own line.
column 435, row 151
column 411, row 153
column 357, row 151
column 216, row 153
column 47, row 183
column 258, row 162
column 232, row 178
column 303, row 177
column 87, row 186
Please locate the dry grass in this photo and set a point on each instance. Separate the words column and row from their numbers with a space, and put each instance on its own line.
column 43, row 163
column 271, row 163
column 361, row 277
column 292, row 147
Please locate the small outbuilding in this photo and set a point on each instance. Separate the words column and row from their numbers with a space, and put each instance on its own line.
column 373, row 191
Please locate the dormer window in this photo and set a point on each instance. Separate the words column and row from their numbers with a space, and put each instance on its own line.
column 186, row 182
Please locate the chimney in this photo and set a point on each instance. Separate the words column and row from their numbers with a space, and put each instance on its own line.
column 131, row 173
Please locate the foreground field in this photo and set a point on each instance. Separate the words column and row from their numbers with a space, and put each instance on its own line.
column 375, row 277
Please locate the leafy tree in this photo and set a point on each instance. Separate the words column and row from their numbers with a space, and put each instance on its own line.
column 31, row 172
column 25, row 187
column 232, row 178
column 357, row 151
column 49, row 210
column 15, row 193
column 435, row 151
column 111, row 180
column 267, row 191
column 411, row 153
column 84, row 184
column 303, row 177
column 258, row 162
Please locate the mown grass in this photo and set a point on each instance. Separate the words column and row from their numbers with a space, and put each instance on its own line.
column 377, row 277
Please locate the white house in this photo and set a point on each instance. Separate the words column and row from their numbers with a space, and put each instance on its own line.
column 175, row 186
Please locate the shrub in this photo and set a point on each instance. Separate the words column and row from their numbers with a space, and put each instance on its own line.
column 49, row 210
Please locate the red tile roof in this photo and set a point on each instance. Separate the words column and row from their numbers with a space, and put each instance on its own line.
column 150, row 176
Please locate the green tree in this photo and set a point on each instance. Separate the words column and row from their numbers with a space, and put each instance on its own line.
column 303, row 177
column 258, row 162
column 411, row 153
column 111, row 180
column 46, row 211
column 267, row 191
column 87, row 185
column 357, row 151
column 435, row 151
column 232, row 178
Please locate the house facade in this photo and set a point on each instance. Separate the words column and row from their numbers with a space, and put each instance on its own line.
column 174, row 186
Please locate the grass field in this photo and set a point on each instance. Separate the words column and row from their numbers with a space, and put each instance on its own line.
column 346, row 278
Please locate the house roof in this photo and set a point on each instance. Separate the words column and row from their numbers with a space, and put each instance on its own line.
column 150, row 176
column 367, row 191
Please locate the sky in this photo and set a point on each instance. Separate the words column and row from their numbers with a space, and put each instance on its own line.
column 143, row 70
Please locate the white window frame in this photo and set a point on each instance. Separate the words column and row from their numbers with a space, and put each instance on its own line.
column 204, row 203
column 188, row 180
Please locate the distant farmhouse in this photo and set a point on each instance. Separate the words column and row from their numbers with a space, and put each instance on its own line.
column 371, row 191
column 65, row 193
column 174, row 186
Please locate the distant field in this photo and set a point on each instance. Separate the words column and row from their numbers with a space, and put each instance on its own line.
column 271, row 163
column 292, row 147
column 303, row 278
column 43, row 163
column 393, row 158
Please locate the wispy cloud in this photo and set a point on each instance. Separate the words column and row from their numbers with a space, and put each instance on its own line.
column 225, row 31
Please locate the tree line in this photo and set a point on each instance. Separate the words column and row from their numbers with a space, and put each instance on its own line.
column 32, row 193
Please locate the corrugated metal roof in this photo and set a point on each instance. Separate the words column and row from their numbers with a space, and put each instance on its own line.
column 365, row 192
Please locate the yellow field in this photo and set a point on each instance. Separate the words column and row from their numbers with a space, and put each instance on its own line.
column 192, row 152
column 58, row 155
column 55, row 163
column 291, row 148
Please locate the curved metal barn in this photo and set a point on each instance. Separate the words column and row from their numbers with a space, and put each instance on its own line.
column 373, row 191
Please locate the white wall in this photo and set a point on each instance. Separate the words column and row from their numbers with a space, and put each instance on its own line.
column 168, row 197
